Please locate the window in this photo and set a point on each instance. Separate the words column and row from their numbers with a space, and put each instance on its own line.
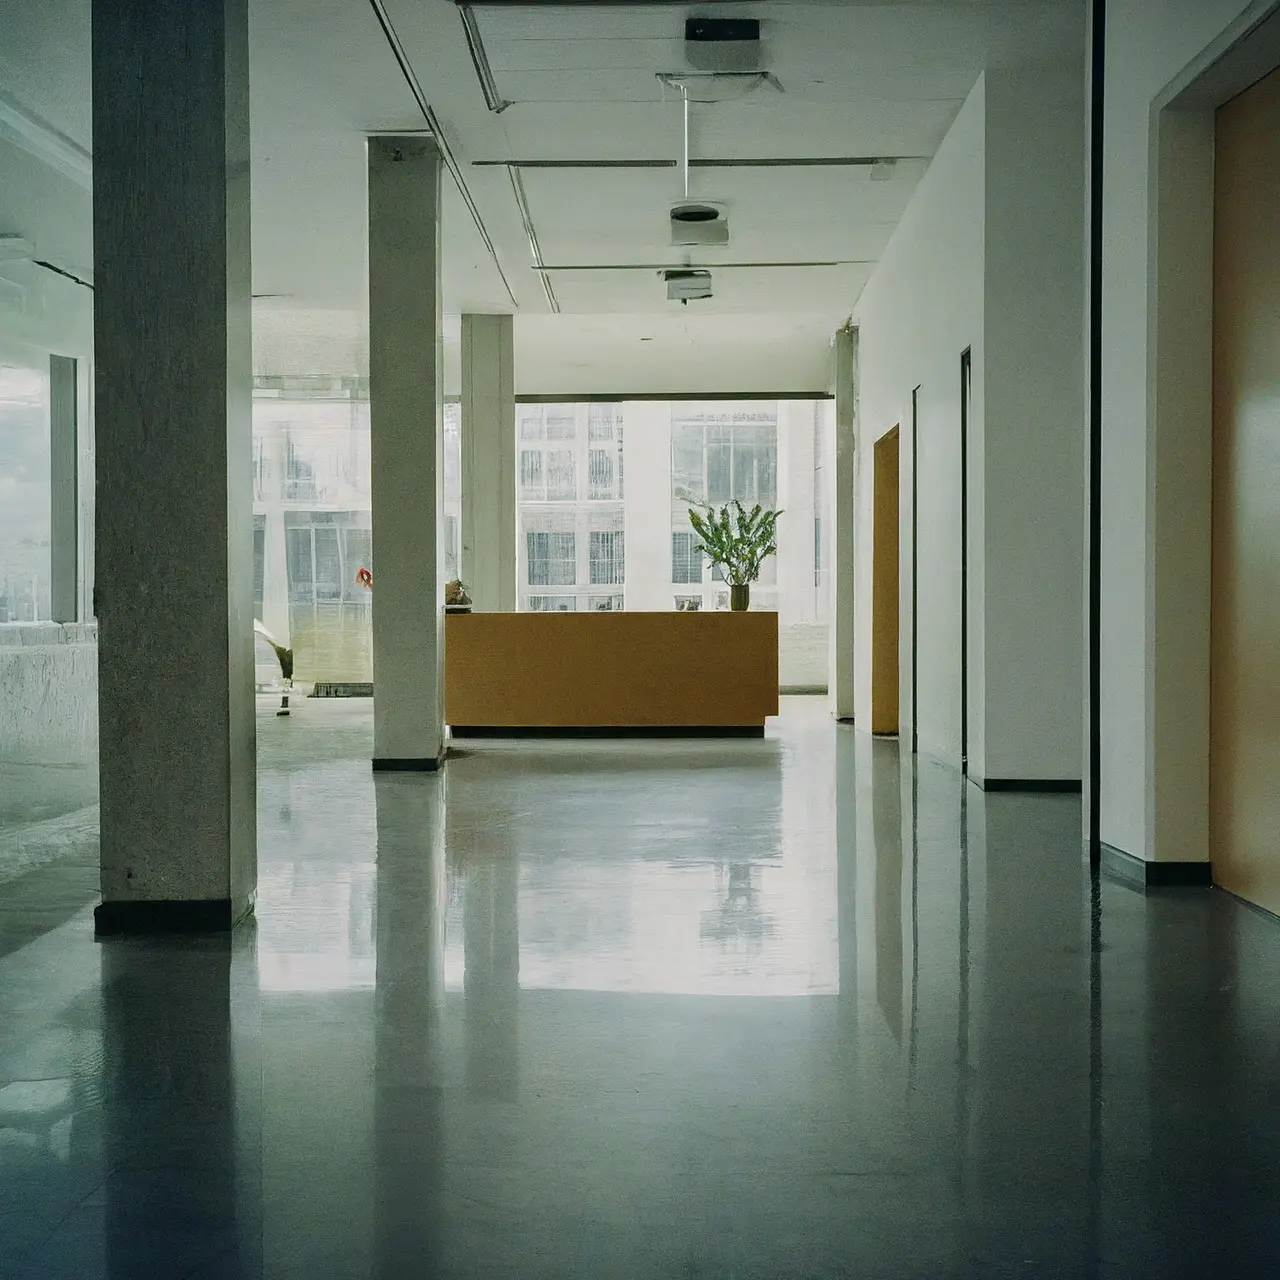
column 600, row 475
column 686, row 558
column 450, row 547
column 299, row 563
column 607, row 564
column 552, row 559
column 605, row 604
column 259, row 563
column 562, row 475
column 26, row 487
column 531, row 482
column 552, row 604
column 688, row 604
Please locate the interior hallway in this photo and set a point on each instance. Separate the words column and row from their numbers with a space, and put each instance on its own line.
column 716, row 1009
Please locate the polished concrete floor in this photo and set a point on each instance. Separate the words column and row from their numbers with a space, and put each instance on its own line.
column 779, row 1009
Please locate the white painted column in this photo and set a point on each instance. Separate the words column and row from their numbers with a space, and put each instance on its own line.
column 843, row 566
column 646, row 470
column 175, row 486
column 406, row 415
column 489, row 462
column 795, row 497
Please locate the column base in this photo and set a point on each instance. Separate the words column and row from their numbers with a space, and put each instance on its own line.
column 202, row 915
column 1155, row 875
column 407, row 764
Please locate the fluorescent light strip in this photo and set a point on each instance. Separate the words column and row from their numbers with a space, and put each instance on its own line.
column 480, row 60
column 761, row 162
column 522, row 203
column 446, row 152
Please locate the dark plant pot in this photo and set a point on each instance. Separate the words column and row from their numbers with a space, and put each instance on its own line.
column 740, row 597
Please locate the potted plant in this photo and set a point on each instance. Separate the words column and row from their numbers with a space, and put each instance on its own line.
column 739, row 541
column 456, row 597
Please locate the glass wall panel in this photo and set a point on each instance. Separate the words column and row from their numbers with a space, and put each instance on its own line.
column 313, row 519
column 25, row 486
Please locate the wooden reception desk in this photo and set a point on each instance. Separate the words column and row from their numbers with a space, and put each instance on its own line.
column 610, row 672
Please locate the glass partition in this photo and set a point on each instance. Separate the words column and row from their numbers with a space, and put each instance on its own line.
column 25, row 486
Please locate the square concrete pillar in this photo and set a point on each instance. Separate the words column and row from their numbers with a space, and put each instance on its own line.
column 174, row 463
column 489, row 461
column 406, row 441
column 843, row 521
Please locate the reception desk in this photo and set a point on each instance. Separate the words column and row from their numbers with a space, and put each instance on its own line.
column 610, row 672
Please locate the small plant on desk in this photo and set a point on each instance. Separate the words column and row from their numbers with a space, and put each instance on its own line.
column 739, row 541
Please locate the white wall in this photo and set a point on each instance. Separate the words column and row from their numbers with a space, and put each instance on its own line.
column 922, row 307
column 990, row 256
column 1154, row 770
column 48, row 694
column 1030, row 676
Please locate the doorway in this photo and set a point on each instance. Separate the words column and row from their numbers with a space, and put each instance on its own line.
column 1244, row 750
column 884, row 585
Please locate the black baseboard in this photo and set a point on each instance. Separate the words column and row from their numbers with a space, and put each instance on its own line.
column 211, row 915
column 342, row 689
column 1065, row 786
column 1155, row 875
column 407, row 764
column 609, row 731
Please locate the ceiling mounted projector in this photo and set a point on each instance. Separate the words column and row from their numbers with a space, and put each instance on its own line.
column 699, row 223
column 685, row 283
column 722, row 44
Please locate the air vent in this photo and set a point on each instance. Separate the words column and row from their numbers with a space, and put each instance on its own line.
column 683, row 284
column 722, row 44
column 695, row 222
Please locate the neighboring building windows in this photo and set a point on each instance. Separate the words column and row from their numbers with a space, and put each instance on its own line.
column 686, row 558
column 607, row 562
column 605, row 604
column 562, row 476
column 551, row 604
column 552, row 559
column 532, row 485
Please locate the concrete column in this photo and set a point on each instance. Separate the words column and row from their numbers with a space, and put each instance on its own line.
column 175, row 487
column 843, row 567
column 65, row 490
column 795, row 497
column 406, row 415
column 489, row 462
column 646, row 518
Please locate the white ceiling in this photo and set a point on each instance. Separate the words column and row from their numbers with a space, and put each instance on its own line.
column 857, row 79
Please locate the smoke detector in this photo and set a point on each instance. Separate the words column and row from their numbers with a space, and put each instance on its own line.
column 684, row 283
column 698, row 222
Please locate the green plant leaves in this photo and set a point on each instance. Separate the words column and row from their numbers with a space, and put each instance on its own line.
column 737, row 539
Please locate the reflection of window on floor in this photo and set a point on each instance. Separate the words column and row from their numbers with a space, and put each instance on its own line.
column 552, row 559
column 605, row 604
column 686, row 558
column 552, row 604
column 607, row 565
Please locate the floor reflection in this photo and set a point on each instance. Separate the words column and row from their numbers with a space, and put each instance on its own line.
column 795, row 1008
